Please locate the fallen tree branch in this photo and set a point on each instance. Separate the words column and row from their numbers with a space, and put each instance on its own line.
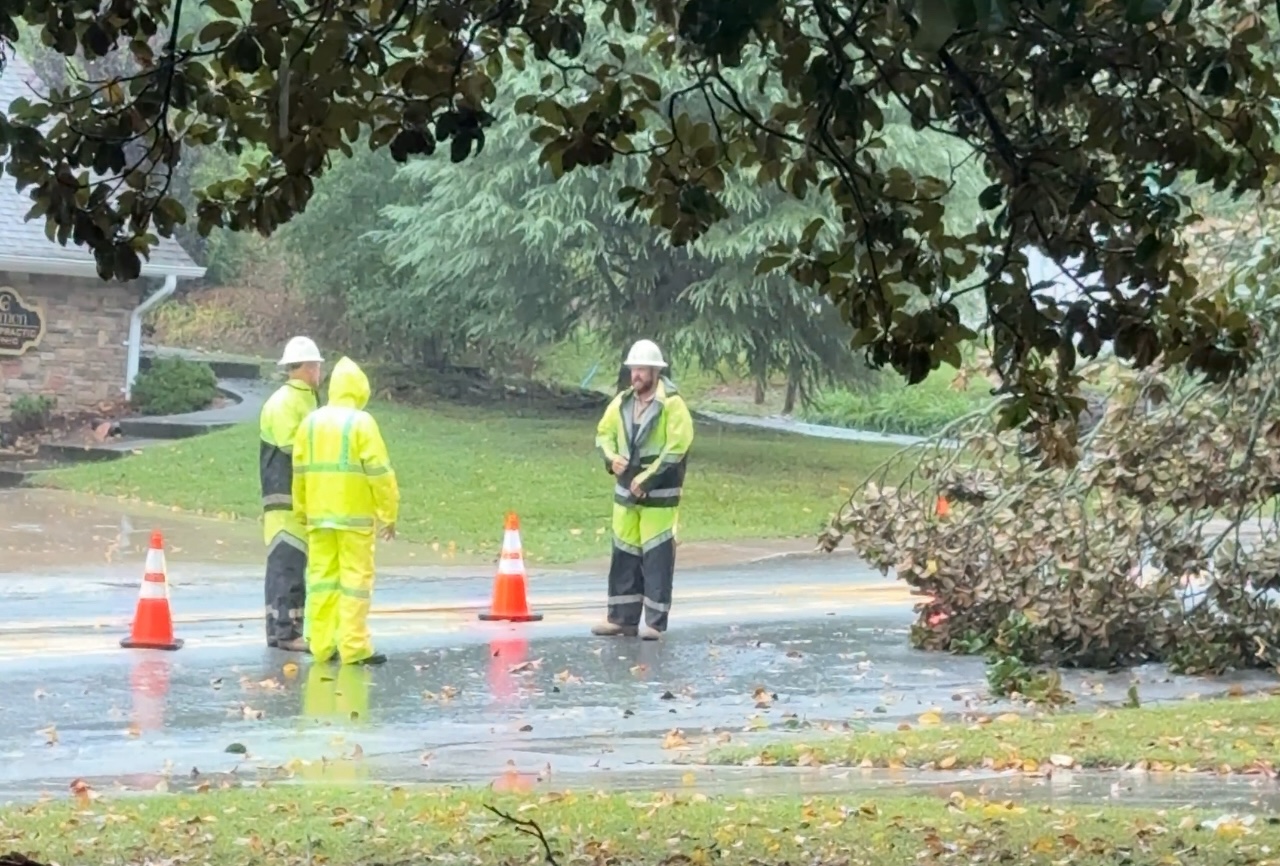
column 527, row 827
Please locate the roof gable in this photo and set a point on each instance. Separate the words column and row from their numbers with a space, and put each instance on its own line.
column 23, row 244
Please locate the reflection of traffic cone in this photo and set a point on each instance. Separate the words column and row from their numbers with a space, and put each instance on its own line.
column 943, row 507
column 149, row 683
column 152, row 620
column 509, row 600
column 504, row 654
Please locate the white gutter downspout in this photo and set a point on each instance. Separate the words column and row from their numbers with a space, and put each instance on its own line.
column 135, row 332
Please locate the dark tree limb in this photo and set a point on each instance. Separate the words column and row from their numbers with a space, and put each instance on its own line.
column 529, row 828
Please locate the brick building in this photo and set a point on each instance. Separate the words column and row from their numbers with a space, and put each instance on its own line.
column 64, row 332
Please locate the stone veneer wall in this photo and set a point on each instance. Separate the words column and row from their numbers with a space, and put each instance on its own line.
column 80, row 361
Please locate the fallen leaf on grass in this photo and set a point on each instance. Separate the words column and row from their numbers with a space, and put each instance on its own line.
column 947, row 763
column 83, row 793
column 1065, row 762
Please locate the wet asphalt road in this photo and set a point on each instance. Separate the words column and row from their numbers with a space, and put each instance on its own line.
column 465, row 701
column 822, row 639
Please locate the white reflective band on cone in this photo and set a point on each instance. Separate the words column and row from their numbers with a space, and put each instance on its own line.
column 155, row 561
column 511, row 565
column 154, row 586
column 511, row 539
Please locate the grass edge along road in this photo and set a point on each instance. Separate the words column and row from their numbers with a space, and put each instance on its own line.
column 1228, row 735
column 461, row 470
column 290, row 825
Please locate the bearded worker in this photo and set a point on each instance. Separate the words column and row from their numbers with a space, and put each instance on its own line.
column 644, row 437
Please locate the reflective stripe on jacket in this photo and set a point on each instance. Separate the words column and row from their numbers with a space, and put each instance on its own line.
column 278, row 424
column 342, row 477
column 656, row 447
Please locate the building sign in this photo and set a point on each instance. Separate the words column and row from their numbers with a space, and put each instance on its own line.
column 21, row 324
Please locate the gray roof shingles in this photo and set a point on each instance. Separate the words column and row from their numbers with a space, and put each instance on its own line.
column 26, row 239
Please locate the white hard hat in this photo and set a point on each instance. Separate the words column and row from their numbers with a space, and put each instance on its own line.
column 644, row 353
column 300, row 350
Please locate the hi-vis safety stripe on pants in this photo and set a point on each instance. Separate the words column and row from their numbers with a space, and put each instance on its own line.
column 340, row 593
column 642, row 570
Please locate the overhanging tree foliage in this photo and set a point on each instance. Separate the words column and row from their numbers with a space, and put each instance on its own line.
column 507, row 257
column 1080, row 113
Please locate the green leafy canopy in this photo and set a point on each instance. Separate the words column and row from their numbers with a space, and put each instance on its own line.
column 1081, row 115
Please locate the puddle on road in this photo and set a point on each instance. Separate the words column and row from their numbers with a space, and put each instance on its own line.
column 563, row 710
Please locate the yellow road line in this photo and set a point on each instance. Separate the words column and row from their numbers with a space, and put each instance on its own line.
column 438, row 621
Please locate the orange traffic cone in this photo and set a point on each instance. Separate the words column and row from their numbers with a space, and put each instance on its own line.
column 509, row 602
column 153, row 621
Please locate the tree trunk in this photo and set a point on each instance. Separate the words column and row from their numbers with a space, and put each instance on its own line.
column 760, row 372
column 793, row 391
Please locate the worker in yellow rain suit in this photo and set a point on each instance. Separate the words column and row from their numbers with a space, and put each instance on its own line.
column 344, row 490
column 644, row 437
column 283, row 533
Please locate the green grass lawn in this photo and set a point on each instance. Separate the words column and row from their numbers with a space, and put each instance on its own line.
column 1227, row 735
column 291, row 826
column 461, row 470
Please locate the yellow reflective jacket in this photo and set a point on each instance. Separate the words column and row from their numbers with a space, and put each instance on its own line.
column 656, row 447
column 278, row 424
column 342, row 476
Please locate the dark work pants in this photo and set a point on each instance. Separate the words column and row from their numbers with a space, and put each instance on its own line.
column 286, row 588
column 642, row 570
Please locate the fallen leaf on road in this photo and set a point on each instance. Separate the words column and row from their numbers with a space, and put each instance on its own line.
column 639, row 669
column 426, row 757
column 762, row 698
column 40, row 694
column 1063, row 761
column 133, row 731
column 524, row 729
column 50, row 735
column 947, row 763
column 674, row 740
column 667, row 696
column 930, row 718
column 525, row 667
column 566, row 677
column 290, row 670
column 357, row 752
column 250, row 713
